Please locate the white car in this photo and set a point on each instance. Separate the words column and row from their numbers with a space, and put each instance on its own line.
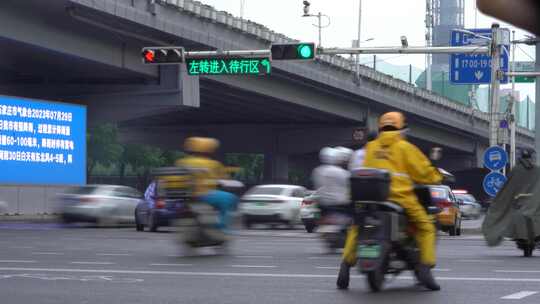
column 102, row 204
column 468, row 205
column 272, row 204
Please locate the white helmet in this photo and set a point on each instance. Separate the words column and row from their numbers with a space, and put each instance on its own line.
column 329, row 156
column 345, row 154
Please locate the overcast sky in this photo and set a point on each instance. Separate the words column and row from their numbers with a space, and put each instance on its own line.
column 383, row 20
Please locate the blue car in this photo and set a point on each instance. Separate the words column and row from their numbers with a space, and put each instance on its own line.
column 154, row 213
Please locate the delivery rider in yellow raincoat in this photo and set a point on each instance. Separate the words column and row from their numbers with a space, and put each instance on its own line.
column 207, row 174
column 408, row 166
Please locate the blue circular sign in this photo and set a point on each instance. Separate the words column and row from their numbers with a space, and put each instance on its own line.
column 495, row 158
column 493, row 182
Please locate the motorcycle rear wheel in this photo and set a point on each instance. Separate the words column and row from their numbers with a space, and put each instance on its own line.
column 376, row 279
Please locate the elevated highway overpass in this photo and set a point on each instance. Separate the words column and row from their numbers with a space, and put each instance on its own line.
column 88, row 52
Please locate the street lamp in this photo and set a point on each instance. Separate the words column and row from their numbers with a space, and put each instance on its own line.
column 319, row 17
column 356, row 44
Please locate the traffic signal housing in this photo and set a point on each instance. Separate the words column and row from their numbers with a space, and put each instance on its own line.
column 162, row 55
column 293, row 51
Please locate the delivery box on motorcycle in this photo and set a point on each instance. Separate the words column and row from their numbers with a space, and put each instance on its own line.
column 370, row 185
column 378, row 218
column 173, row 182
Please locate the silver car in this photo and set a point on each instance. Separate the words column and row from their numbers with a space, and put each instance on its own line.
column 468, row 206
column 102, row 204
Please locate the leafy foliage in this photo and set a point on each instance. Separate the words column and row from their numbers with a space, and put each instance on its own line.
column 102, row 146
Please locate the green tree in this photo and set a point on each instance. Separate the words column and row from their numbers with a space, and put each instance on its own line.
column 171, row 156
column 102, row 146
column 141, row 158
column 251, row 166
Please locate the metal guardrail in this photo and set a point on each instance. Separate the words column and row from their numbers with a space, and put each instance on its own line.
column 262, row 32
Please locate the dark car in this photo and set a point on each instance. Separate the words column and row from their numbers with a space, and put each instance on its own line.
column 156, row 212
column 161, row 214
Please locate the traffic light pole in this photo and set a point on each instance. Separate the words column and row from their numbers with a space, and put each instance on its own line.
column 513, row 104
column 238, row 53
column 495, row 86
column 406, row 50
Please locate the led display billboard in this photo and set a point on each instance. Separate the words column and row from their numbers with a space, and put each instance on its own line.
column 42, row 142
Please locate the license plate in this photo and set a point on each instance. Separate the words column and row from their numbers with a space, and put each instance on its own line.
column 261, row 204
column 369, row 251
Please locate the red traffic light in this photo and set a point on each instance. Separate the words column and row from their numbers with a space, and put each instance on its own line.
column 149, row 55
column 162, row 55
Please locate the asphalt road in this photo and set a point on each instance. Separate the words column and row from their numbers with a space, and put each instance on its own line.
column 44, row 263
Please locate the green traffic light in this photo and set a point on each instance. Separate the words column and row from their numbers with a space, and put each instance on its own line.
column 305, row 51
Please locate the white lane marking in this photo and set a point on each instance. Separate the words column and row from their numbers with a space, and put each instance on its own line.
column 254, row 257
column 517, row 271
column 480, row 261
column 156, row 264
column 253, row 266
column 17, row 261
column 239, row 274
column 262, row 247
column 334, row 267
column 48, row 253
column 93, row 263
column 322, row 290
column 91, row 278
column 519, row 295
column 21, row 247
column 113, row 254
column 327, row 267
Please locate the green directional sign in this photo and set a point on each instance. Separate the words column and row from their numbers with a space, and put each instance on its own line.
column 229, row 66
column 525, row 79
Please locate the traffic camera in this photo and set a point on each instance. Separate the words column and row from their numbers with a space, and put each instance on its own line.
column 306, row 8
column 295, row 51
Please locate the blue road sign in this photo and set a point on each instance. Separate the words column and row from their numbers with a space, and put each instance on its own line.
column 474, row 68
column 493, row 182
column 495, row 158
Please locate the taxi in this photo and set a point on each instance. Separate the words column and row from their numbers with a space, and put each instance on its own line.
column 449, row 219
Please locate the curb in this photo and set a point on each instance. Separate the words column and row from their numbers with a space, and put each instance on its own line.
column 36, row 218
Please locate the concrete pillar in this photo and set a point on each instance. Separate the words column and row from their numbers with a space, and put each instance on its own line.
column 479, row 153
column 537, row 108
column 276, row 168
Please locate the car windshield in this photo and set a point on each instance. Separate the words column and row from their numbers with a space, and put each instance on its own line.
column 266, row 191
column 439, row 193
column 466, row 197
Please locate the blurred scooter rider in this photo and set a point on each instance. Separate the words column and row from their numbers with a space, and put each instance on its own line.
column 345, row 155
column 207, row 174
column 408, row 165
column 331, row 181
column 357, row 158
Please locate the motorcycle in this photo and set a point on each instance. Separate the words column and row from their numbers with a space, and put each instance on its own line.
column 385, row 244
column 333, row 229
column 197, row 222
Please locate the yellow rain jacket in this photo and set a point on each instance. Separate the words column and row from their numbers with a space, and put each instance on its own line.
column 211, row 172
column 408, row 166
